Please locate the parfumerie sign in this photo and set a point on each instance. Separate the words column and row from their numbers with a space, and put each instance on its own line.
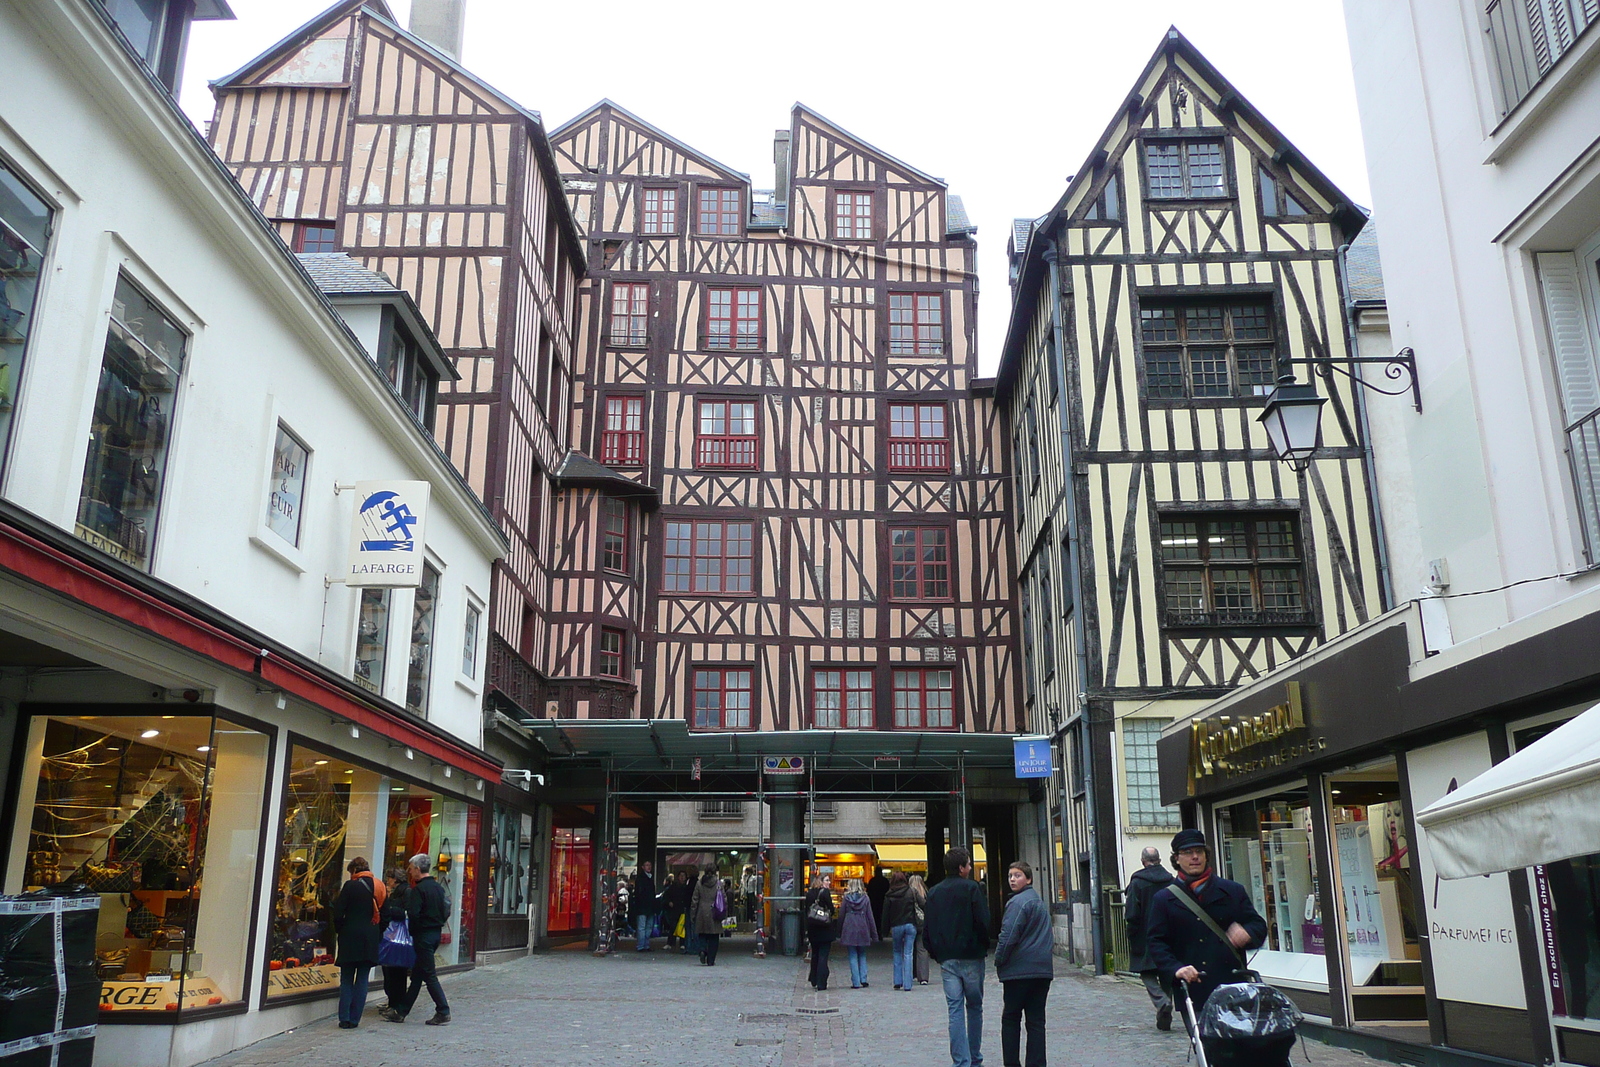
column 387, row 536
column 1230, row 745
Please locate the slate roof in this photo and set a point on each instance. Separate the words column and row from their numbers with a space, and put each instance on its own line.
column 768, row 215
column 1021, row 230
column 1363, row 269
column 336, row 272
column 579, row 469
column 958, row 222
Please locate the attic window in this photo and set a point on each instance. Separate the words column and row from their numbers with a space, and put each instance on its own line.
column 402, row 362
column 1181, row 170
column 1108, row 205
column 1276, row 201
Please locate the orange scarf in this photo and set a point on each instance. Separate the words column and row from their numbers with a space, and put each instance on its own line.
column 380, row 893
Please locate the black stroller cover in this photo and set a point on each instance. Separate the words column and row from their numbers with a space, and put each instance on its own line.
column 1248, row 1024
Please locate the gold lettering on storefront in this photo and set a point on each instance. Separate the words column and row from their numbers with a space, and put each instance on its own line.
column 1215, row 741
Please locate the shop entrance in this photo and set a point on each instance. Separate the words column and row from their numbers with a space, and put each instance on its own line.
column 571, row 870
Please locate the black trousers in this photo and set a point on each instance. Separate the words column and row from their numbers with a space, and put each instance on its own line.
column 394, row 985
column 1023, row 996
column 819, row 963
column 422, row 973
column 708, row 947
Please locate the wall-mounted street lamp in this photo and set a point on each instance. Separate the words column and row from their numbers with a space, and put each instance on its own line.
column 1293, row 415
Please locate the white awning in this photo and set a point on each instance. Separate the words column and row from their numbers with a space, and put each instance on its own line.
column 1539, row 806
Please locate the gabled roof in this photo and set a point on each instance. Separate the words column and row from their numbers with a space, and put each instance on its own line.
column 655, row 131
column 1174, row 45
column 299, row 36
column 801, row 109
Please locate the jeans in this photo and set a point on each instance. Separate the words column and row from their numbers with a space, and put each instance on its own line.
column 708, row 948
column 858, row 966
column 353, row 992
column 422, row 973
column 963, row 984
column 819, row 963
column 1160, row 993
column 1023, row 995
column 905, row 948
column 644, row 924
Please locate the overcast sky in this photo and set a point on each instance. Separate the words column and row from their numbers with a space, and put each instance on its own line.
column 1001, row 98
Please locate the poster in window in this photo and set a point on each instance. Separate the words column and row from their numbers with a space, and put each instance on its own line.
column 289, row 458
column 387, row 534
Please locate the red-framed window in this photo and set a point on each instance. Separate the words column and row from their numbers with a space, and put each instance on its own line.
column 614, row 535
column 919, row 563
column 925, row 699
column 852, row 216
column 916, row 324
column 721, row 211
column 611, row 659
column 725, row 434
column 622, row 437
column 919, row 437
column 709, row 557
column 630, row 313
column 841, row 700
column 316, row 237
column 733, row 319
column 660, row 211
column 722, row 698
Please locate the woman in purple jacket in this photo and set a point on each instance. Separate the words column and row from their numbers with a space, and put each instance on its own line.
column 858, row 929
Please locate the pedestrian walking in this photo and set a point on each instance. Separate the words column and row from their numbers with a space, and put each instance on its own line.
column 958, row 938
column 427, row 910
column 395, row 979
column 645, row 905
column 707, row 913
column 1144, row 884
column 921, row 962
column 1025, row 964
column 877, row 888
column 1181, row 943
column 899, row 923
column 819, row 912
column 857, row 930
column 674, row 906
column 356, row 919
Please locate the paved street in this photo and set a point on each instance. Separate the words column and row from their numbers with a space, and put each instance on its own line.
column 569, row 1009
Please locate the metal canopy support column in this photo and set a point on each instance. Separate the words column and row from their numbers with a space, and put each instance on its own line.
column 608, row 834
column 788, row 861
column 960, row 810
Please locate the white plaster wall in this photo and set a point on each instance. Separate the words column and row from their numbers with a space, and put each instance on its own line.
column 1488, row 482
column 133, row 196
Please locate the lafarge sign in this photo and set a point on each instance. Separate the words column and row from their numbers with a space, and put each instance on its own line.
column 387, row 535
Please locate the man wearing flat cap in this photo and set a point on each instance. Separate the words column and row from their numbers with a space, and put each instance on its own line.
column 1184, row 946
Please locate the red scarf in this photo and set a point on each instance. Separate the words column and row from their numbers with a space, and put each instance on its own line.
column 380, row 892
column 1194, row 883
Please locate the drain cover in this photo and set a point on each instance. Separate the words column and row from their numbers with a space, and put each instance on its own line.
column 756, row 1017
column 742, row 1041
column 817, row 1011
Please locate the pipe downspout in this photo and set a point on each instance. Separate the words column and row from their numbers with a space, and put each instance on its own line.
column 1081, row 640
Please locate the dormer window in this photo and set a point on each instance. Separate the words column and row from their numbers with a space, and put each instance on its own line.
column 1185, row 170
column 401, row 361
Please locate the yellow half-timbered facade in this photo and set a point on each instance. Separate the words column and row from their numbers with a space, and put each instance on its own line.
column 1165, row 555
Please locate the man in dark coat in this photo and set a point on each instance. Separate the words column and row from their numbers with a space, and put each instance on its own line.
column 644, row 906
column 1183, row 947
column 877, row 889
column 1136, row 913
column 956, row 926
column 427, row 910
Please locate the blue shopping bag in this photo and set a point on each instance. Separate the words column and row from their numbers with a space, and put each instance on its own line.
column 396, row 950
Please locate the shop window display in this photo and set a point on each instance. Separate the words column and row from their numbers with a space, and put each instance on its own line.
column 510, row 861
column 162, row 815
column 24, row 238
column 423, row 611
column 333, row 811
column 1267, row 847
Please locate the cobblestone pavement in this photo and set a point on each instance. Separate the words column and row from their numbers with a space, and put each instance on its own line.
column 660, row 1009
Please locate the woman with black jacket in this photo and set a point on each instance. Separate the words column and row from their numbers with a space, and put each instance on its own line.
column 355, row 919
column 899, row 921
column 819, row 899
column 394, row 910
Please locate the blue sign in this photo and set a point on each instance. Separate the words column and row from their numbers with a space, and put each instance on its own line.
column 1032, row 757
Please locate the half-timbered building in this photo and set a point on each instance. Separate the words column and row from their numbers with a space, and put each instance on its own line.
column 1166, row 556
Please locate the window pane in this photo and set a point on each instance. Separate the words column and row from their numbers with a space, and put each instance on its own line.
column 1163, row 169
column 1231, row 591
column 1206, row 177
column 423, row 613
column 1163, row 374
column 1139, row 737
column 289, row 458
column 1275, row 539
column 1186, row 591
column 1208, row 370
column 1226, row 540
column 1159, row 324
column 372, row 638
column 1180, row 540
column 469, row 642
column 1257, row 366
column 1280, row 589
column 1203, row 323
column 1251, row 322
column 126, row 461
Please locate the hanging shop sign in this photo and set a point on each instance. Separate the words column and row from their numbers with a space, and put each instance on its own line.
column 1031, row 756
column 387, row 537
column 783, row 764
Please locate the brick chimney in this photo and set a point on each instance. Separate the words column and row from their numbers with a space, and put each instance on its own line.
column 441, row 23
column 781, row 149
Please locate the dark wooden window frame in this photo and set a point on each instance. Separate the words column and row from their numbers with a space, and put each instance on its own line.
column 923, row 689
column 721, row 212
column 1182, row 140
column 668, row 578
column 621, row 447
column 728, row 451
column 735, row 342
column 674, row 225
column 636, row 323
column 1224, row 296
column 890, row 528
column 1257, row 618
column 326, row 237
column 615, row 544
column 834, row 192
column 844, row 670
column 1276, row 205
column 722, row 689
column 917, row 454
column 917, row 346
column 605, row 656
